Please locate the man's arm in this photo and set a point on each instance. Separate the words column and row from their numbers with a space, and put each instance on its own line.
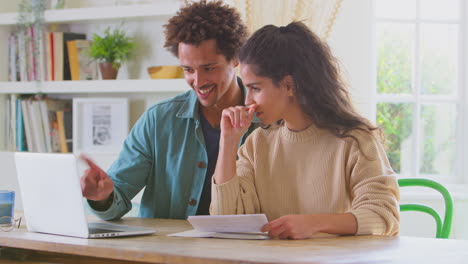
column 102, row 205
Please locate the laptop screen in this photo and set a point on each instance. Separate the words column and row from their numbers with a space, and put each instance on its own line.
column 51, row 193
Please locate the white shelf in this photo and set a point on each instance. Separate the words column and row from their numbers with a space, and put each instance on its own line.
column 100, row 13
column 102, row 86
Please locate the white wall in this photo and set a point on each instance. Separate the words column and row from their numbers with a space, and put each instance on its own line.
column 350, row 42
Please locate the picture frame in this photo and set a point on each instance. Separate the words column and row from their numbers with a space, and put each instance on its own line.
column 100, row 125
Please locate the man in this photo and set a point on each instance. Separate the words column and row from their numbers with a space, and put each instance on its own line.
column 173, row 148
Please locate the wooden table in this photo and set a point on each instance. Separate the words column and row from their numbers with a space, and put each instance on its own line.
column 159, row 248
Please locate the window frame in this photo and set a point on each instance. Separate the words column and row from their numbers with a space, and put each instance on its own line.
column 460, row 99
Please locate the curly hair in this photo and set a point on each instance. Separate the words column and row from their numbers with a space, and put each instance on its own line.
column 200, row 21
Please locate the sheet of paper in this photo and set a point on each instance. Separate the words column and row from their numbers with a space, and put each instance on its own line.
column 196, row 233
column 192, row 233
column 231, row 227
column 229, row 223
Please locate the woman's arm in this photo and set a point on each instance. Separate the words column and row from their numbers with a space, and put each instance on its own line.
column 234, row 123
column 226, row 164
column 305, row 226
column 373, row 187
column 233, row 194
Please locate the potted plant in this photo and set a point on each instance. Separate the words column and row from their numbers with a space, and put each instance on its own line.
column 111, row 50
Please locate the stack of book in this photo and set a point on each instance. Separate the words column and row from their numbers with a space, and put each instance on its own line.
column 49, row 56
column 40, row 124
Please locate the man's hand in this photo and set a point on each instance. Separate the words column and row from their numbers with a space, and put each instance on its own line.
column 96, row 185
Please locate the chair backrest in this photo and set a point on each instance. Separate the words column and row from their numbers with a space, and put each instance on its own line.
column 443, row 228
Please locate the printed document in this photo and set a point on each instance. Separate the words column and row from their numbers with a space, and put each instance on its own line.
column 226, row 226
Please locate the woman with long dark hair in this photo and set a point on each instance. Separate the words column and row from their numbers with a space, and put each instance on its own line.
column 317, row 165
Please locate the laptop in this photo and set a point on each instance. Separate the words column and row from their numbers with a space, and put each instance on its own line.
column 52, row 200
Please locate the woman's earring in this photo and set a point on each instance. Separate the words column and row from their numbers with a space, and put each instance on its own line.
column 291, row 93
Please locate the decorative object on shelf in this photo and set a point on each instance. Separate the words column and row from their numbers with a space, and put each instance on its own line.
column 57, row 4
column 30, row 26
column 166, row 72
column 99, row 124
column 111, row 50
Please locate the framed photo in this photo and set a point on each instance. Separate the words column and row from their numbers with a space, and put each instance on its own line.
column 99, row 124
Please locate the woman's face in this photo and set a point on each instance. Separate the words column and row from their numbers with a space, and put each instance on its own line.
column 273, row 101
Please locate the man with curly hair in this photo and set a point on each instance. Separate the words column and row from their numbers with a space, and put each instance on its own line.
column 173, row 148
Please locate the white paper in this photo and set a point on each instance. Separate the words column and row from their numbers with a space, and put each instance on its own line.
column 196, row 233
column 226, row 226
column 192, row 233
column 229, row 223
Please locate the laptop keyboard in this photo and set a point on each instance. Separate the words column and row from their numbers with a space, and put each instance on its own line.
column 93, row 230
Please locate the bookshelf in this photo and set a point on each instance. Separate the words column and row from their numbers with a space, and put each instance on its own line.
column 98, row 86
column 142, row 21
column 89, row 14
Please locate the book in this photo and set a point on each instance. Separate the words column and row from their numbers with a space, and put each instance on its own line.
column 23, row 73
column 226, row 226
column 82, row 67
column 31, row 54
column 49, row 43
column 12, row 125
column 36, row 124
column 57, row 55
column 46, row 125
column 27, row 126
column 66, row 37
column 65, row 127
column 68, row 123
column 53, row 107
column 20, row 131
column 12, row 57
column 42, row 64
column 61, row 132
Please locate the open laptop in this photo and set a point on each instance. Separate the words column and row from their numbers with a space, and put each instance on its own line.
column 52, row 200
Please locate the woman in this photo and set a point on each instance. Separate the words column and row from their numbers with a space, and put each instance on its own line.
column 318, row 166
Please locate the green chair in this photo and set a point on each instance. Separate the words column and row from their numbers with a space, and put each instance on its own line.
column 443, row 228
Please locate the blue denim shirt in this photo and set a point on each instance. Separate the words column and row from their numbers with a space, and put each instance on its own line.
column 165, row 151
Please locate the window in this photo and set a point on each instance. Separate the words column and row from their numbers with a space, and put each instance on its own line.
column 418, row 91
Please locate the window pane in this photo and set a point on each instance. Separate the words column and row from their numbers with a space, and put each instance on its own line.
column 394, row 57
column 439, row 58
column 396, row 123
column 440, row 9
column 399, row 9
column 438, row 126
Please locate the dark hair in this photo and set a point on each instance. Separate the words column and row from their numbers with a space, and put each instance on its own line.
column 200, row 21
column 275, row 52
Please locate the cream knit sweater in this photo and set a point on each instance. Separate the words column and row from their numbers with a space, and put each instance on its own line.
column 280, row 172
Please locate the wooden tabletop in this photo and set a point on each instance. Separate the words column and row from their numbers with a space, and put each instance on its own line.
column 159, row 248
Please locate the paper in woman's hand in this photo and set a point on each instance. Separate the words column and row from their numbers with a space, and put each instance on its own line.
column 226, row 226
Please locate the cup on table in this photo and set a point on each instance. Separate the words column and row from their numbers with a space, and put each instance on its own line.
column 7, row 207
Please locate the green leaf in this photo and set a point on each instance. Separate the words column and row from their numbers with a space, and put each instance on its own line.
column 113, row 46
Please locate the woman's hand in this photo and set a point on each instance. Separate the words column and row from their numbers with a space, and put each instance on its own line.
column 293, row 227
column 305, row 226
column 236, row 120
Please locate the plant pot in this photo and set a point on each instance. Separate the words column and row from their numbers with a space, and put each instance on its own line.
column 107, row 71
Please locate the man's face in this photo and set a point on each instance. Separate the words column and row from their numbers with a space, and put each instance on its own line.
column 208, row 73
